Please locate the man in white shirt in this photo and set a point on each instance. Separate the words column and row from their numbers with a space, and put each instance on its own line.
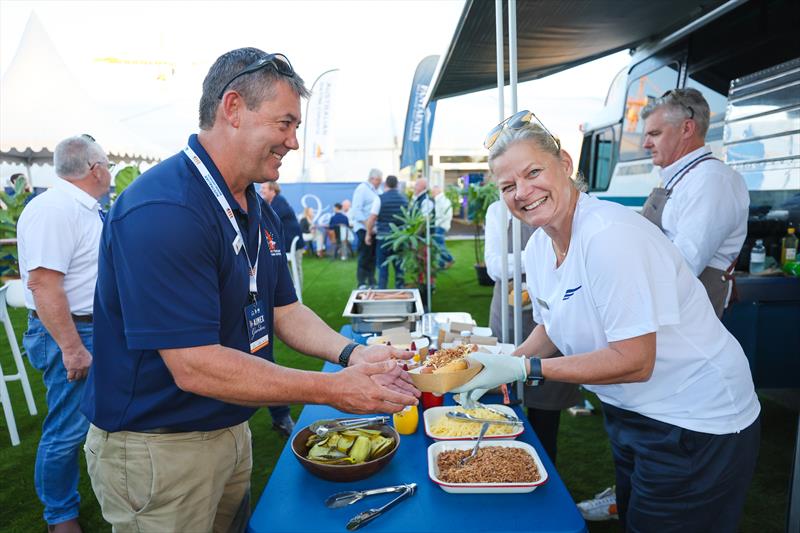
column 444, row 219
column 58, row 237
column 703, row 204
column 363, row 197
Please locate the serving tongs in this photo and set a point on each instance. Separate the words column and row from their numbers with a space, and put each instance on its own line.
column 469, row 418
column 467, row 403
column 370, row 514
column 343, row 499
column 323, row 427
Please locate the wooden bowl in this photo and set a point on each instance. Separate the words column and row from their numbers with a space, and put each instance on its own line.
column 343, row 472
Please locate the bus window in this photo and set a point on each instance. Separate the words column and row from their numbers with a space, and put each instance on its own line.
column 640, row 91
column 603, row 158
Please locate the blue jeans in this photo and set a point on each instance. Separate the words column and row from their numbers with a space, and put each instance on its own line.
column 64, row 429
column 381, row 254
column 444, row 254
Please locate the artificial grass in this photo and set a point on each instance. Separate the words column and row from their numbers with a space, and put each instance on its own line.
column 584, row 457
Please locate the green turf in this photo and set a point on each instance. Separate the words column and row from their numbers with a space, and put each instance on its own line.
column 584, row 459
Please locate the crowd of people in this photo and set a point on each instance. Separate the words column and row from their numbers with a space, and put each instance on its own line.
column 154, row 324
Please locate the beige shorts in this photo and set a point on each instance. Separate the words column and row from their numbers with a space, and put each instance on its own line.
column 190, row 482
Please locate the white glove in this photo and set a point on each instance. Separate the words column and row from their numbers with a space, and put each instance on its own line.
column 497, row 369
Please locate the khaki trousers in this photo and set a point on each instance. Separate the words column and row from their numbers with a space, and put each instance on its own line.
column 179, row 482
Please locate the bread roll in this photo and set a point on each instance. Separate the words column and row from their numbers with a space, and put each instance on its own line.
column 452, row 366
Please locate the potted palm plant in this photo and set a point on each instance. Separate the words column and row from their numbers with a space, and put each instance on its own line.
column 479, row 197
column 12, row 207
column 408, row 242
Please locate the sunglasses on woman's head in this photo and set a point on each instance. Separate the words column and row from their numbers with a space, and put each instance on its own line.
column 516, row 121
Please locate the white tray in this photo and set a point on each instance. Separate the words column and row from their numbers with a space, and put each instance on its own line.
column 492, row 488
column 432, row 414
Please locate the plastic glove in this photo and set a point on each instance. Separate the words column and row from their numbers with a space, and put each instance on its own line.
column 497, row 369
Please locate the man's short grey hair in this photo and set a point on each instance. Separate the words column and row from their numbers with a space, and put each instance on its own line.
column 255, row 87
column 531, row 132
column 74, row 156
column 375, row 173
column 679, row 105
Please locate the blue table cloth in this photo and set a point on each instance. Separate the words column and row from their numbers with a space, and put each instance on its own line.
column 293, row 499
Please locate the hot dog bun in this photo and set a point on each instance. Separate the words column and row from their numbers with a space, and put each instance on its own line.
column 452, row 366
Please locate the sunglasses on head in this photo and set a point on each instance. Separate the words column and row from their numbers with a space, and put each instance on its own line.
column 676, row 97
column 279, row 62
column 516, row 121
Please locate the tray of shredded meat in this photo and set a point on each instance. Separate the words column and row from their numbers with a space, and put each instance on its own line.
column 501, row 466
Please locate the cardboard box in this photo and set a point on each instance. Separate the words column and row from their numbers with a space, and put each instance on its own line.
column 441, row 383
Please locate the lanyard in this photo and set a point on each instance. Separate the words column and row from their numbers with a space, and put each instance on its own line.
column 226, row 207
column 685, row 167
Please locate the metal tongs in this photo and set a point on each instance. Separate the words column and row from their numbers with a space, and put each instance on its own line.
column 464, row 401
column 470, row 418
column 323, row 427
column 346, row 498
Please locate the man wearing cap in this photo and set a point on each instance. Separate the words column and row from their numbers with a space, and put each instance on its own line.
column 58, row 237
column 363, row 198
column 193, row 286
column 703, row 204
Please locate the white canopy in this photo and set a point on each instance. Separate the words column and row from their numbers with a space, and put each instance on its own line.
column 41, row 103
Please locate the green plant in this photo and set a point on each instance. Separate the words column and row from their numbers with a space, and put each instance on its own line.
column 407, row 240
column 453, row 193
column 13, row 204
column 124, row 178
column 479, row 197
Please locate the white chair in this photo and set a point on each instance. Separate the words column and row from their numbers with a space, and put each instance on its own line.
column 292, row 258
column 21, row 375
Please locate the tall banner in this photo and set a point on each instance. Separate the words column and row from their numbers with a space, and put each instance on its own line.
column 320, row 142
column 419, row 121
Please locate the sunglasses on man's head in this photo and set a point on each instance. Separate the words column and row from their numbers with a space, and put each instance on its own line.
column 676, row 97
column 516, row 121
column 279, row 62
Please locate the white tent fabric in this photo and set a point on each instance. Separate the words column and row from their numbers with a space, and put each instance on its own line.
column 41, row 103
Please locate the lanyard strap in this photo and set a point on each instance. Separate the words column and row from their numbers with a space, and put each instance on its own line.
column 685, row 169
column 226, row 208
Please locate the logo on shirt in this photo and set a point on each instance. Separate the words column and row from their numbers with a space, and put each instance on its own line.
column 273, row 246
column 569, row 292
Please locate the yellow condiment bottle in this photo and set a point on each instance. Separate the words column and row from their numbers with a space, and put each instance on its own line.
column 406, row 421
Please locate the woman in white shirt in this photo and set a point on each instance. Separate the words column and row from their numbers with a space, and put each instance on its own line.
column 615, row 296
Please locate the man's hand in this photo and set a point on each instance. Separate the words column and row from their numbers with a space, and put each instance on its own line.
column 372, row 388
column 368, row 239
column 398, row 380
column 377, row 353
column 77, row 363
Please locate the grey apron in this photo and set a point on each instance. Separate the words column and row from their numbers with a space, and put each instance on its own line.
column 714, row 280
column 551, row 395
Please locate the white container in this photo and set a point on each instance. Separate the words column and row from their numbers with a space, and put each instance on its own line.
column 491, row 488
column 432, row 415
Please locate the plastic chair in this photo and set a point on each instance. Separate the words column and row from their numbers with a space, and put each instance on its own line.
column 292, row 258
column 20, row 376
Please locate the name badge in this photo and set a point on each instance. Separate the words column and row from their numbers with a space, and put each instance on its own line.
column 237, row 244
column 256, row 326
column 542, row 303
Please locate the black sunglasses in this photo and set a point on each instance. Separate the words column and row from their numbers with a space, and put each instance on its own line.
column 677, row 98
column 279, row 62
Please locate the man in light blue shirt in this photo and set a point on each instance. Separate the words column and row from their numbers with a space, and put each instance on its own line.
column 363, row 197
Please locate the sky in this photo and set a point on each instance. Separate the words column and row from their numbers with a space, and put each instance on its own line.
column 143, row 62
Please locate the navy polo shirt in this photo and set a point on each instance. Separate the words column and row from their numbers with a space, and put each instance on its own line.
column 168, row 277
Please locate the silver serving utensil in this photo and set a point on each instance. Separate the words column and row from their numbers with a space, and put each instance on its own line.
column 468, row 458
column 343, row 499
column 370, row 514
column 498, row 412
column 323, row 427
column 470, row 418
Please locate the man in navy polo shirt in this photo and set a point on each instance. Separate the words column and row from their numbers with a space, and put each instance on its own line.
column 192, row 287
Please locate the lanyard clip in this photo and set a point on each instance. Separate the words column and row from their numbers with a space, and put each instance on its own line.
column 252, row 297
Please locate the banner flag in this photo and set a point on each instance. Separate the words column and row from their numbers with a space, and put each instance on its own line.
column 321, row 141
column 416, row 135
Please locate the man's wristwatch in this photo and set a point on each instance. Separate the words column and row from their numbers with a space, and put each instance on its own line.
column 344, row 357
column 535, row 375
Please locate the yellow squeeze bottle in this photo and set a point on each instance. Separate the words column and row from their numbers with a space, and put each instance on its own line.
column 406, row 421
column 789, row 247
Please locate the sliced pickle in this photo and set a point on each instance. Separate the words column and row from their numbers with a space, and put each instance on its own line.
column 360, row 450
column 344, row 443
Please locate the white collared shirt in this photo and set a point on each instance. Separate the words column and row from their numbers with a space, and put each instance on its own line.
column 622, row 279
column 60, row 230
column 363, row 198
column 706, row 214
column 444, row 211
column 493, row 234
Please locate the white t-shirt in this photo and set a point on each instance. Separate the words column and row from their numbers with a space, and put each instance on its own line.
column 622, row 278
column 493, row 235
column 60, row 230
column 706, row 214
